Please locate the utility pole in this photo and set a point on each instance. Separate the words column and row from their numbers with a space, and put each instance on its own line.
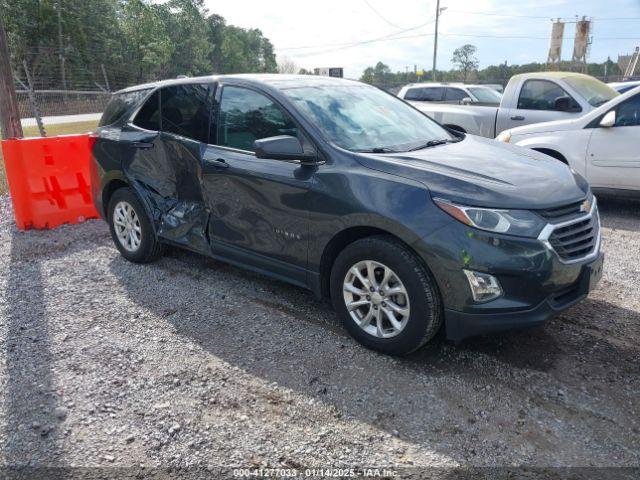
column 9, row 115
column 435, row 38
column 60, row 46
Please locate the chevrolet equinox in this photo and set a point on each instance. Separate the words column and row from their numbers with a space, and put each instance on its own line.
column 348, row 191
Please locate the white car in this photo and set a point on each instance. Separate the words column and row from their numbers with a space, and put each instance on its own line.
column 528, row 98
column 451, row 93
column 622, row 87
column 603, row 145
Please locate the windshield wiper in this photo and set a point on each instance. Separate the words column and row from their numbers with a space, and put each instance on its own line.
column 434, row 143
column 378, row 150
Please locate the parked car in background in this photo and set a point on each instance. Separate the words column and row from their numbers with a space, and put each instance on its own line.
column 450, row 93
column 341, row 188
column 495, row 86
column 528, row 98
column 603, row 145
column 622, row 87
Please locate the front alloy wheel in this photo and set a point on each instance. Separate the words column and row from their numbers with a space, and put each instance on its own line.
column 376, row 299
column 385, row 295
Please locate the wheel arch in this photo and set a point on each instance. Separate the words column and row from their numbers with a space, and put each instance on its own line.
column 345, row 238
column 108, row 191
column 552, row 153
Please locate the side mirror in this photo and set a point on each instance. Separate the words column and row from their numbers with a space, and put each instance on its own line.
column 609, row 120
column 283, row 147
column 562, row 104
column 466, row 101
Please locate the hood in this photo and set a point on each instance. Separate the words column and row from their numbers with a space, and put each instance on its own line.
column 484, row 173
column 545, row 127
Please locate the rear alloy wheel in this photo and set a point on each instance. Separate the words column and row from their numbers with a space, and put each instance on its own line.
column 131, row 229
column 385, row 296
column 127, row 226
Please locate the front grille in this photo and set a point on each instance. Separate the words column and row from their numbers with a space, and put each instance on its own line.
column 563, row 213
column 577, row 240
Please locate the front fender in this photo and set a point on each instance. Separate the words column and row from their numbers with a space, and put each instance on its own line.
column 575, row 156
column 341, row 200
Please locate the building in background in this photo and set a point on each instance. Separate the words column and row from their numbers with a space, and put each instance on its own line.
column 581, row 44
column 329, row 72
column 555, row 46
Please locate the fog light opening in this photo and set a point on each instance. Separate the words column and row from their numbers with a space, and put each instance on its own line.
column 484, row 287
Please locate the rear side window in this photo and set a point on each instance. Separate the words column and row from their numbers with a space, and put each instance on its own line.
column 413, row 94
column 120, row 104
column 455, row 94
column 246, row 116
column 431, row 94
column 186, row 110
column 542, row 95
column 149, row 115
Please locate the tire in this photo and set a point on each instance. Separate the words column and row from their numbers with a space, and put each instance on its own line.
column 146, row 248
column 424, row 314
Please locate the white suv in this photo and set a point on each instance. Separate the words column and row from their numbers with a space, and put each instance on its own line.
column 453, row 93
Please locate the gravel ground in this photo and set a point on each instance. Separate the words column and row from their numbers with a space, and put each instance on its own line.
column 190, row 362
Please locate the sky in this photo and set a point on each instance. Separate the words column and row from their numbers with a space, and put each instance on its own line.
column 400, row 33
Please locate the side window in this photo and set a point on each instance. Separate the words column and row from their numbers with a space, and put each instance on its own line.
column 455, row 94
column 148, row 116
column 413, row 94
column 186, row 110
column 246, row 116
column 542, row 95
column 120, row 104
column 628, row 112
column 432, row 94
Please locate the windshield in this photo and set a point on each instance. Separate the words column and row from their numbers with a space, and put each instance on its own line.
column 592, row 90
column 363, row 118
column 485, row 95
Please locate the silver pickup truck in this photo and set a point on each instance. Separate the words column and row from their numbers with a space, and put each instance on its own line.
column 528, row 98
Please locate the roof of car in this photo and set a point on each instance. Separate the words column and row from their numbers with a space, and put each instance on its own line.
column 278, row 81
column 445, row 84
column 551, row 75
column 437, row 84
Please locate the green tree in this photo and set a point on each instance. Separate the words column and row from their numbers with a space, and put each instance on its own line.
column 464, row 57
column 188, row 31
column 150, row 44
column 135, row 40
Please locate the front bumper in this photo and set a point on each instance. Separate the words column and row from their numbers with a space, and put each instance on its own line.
column 536, row 282
column 460, row 325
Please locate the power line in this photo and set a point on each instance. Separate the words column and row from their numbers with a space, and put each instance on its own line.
column 476, row 35
column 421, row 35
column 380, row 16
column 493, row 14
column 354, row 44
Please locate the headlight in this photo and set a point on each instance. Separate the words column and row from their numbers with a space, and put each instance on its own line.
column 504, row 137
column 512, row 222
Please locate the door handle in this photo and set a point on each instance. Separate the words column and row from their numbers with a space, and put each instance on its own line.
column 219, row 163
column 517, row 117
column 143, row 145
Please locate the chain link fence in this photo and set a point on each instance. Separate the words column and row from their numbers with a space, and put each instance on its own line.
column 60, row 102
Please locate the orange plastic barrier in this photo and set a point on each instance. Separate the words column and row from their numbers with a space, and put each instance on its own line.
column 49, row 180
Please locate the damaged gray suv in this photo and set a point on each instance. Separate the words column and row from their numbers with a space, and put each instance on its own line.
column 341, row 188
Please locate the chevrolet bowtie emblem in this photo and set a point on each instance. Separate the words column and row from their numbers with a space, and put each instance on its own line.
column 586, row 206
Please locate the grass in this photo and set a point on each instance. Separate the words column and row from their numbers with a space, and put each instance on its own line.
column 60, row 129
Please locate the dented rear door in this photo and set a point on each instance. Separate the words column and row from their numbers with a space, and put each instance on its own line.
column 165, row 166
